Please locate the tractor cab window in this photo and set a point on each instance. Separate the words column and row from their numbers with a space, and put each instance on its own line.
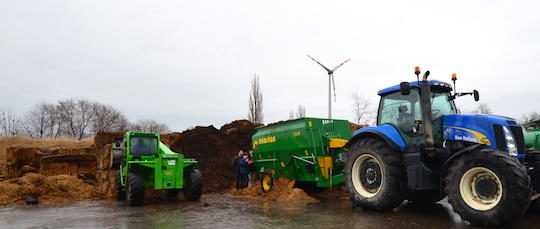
column 441, row 105
column 143, row 145
column 400, row 110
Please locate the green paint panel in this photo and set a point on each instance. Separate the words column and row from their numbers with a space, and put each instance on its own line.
column 531, row 133
column 532, row 139
column 299, row 149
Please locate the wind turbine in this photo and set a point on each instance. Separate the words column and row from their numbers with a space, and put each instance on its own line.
column 331, row 82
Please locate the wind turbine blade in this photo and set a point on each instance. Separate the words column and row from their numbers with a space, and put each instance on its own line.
column 334, row 85
column 339, row 65
column 328, row 70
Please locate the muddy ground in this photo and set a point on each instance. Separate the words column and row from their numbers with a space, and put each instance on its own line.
column 227, row 211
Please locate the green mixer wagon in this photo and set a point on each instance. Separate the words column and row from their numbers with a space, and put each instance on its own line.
column 531, row 133
column 303, row 150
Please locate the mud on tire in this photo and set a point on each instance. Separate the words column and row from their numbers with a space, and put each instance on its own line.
column 135, row 189
column 488, row 187
column 374, row 175
column 192, row 184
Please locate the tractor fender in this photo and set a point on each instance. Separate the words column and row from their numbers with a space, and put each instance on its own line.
column 452, row 158
column 386, row 132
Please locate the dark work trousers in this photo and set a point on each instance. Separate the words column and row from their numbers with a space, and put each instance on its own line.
column 242, row 181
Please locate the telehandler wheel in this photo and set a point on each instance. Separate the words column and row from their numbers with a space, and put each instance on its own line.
column 120, row 190
column 192, row 185
column 267, row 181
column 426, row 197
column 374, row 175
column 488, row 187
column 135, row 189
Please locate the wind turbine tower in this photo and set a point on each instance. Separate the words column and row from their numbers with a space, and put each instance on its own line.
column 331, row 83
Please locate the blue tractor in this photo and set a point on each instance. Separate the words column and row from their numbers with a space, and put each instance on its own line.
column 423, row 150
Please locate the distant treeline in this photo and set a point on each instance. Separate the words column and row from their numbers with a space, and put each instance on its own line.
column 72, row 118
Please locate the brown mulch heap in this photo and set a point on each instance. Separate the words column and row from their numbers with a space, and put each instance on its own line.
column 214, row 149
column 48, row 189
column 279, row 192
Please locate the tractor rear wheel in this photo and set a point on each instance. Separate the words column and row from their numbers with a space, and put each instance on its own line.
column 135, row 189
column 267, row 181
column 488, row 187
column 374, row 175
column 120, row 190
column 192, row 184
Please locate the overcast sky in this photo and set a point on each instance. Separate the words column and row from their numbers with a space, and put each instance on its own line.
column 189, row 63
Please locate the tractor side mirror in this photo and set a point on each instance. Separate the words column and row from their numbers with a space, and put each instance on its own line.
column 405, row 88
column 476, row 95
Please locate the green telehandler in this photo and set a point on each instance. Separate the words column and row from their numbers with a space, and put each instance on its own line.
column 143, row 161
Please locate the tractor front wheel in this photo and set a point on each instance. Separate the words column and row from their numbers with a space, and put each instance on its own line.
column 488, row 187
column 373, row 175
column 120, row 190
column 135, row 189
column 192, row 184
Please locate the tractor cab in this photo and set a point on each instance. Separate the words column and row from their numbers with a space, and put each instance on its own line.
column 401, row 107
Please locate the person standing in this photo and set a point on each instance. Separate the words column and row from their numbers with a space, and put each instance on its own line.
column 244, row 171
column 236, row 166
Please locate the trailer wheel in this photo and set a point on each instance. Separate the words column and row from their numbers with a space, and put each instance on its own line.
column 120, row 190
column 373, row 175
column 488, row 187
column 192, row 185
column 135, row 189
column 267, row 181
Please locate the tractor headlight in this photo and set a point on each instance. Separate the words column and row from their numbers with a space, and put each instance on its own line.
column 510, row 142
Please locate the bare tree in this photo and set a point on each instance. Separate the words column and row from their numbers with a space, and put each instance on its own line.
column 362, row 111
column 107, row 118
column 10, row 124
column 75, row 116
column 255, row 114
column 291, row 115
column 55, row 125
column 150, row 126
column 38, row 121
column 301, row 112
column 483, row 108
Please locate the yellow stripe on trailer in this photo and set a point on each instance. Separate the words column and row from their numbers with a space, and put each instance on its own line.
column 337, row 143
column 325, row 163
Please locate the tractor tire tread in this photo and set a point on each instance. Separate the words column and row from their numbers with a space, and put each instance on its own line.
column 513, row 175
column 392, row 195
column 135, row 189
column 193, row 185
